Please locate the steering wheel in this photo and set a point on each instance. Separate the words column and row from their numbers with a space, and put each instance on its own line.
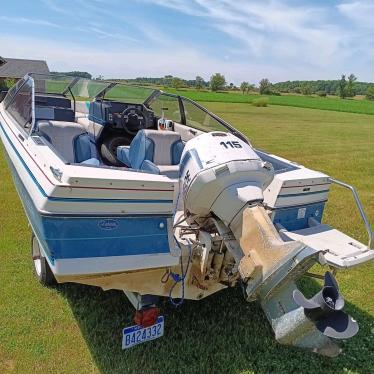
column 132, row 120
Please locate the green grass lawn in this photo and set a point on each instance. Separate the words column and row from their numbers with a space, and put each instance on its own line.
column 312, row 102
column 77, row 329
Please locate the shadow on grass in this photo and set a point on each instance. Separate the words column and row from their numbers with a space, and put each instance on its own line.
column 221, row 334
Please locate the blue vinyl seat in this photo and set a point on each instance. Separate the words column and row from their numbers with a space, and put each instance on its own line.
column 153, row 151
column 70, row 140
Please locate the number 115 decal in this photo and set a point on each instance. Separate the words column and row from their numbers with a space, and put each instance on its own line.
column 233, row 144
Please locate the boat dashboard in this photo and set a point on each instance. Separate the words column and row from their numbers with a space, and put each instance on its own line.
column 116, row 115
column 128, row 117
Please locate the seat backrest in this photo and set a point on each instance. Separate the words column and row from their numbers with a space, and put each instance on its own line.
column 70, row 139
column 160, row 147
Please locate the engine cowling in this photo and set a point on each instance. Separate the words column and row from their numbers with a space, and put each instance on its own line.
column 220, row 173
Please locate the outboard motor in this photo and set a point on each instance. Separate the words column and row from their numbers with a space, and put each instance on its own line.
column 223, row 177
column 222, row 180
column 220, row 173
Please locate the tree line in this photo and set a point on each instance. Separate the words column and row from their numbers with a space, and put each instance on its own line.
column 170, row 81
column 81, row 74
column 345, row 87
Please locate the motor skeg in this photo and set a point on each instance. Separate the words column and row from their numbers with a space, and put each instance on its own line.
column 215, row 166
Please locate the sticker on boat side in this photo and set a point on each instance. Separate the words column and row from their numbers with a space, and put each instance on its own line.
column 301, row 213
column 108, row 224
column 135, row 335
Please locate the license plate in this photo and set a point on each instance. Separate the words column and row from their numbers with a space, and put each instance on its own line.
column 135, row 335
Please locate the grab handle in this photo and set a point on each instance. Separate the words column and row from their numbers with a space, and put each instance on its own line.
column 360, row 208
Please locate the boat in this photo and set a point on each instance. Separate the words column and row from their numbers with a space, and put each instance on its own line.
column 148, row 192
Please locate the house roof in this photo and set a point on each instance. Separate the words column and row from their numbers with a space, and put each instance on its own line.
column 17, row 68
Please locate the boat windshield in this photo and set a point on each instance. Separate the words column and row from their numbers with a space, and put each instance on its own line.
column 164, row 105
column 51, row 84
column 199, row 118
column 187, row 112
column 19, row 103
column 88, row 89
column 128, row 94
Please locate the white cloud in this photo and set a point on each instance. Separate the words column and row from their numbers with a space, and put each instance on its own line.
column 278, row 39
column 359, row 11
column 52, row 5
column 189, row 7
column 108, row 35
column 298, row 31
column 289, row 33
column 182, row 62
column 32, row 21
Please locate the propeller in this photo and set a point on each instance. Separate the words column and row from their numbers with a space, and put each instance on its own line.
column 325, row 309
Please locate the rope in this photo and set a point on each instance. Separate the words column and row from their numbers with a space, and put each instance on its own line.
column 177, row 278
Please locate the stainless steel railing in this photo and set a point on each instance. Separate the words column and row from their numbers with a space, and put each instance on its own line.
column 360, row 208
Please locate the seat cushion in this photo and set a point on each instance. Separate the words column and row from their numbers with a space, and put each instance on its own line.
column 91, row 161
column 153, row 151
column 171, row 171
column 83, row 148
column 141, row 149
column 70, row 140
column 123, row 154
column 149, row 167
column 168, row 146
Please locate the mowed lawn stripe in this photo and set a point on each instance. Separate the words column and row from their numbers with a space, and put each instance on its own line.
column 312, row 102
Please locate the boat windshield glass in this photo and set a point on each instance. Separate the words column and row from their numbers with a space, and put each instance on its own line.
column 200, row 119
column 128, row 94
column 165, row 106
column 177, row 108
column 86, row 89
column 51, row 84
column 18, row 103
column 89, row 89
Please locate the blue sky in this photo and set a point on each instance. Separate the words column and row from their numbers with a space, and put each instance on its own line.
column 243, row 39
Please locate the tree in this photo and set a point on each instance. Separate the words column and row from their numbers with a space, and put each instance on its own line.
column 342, row 90
column 244, row 87
column 176, row 83
column 9, row 83
column 167, row 80
column 265, row 87
column 306, row 89
column 331, row 87
column 370, row 93
column 250, row 87
column 217, row 82
column 351, row 85
column 321, row 93
column 81, row 74
column 199, row 83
